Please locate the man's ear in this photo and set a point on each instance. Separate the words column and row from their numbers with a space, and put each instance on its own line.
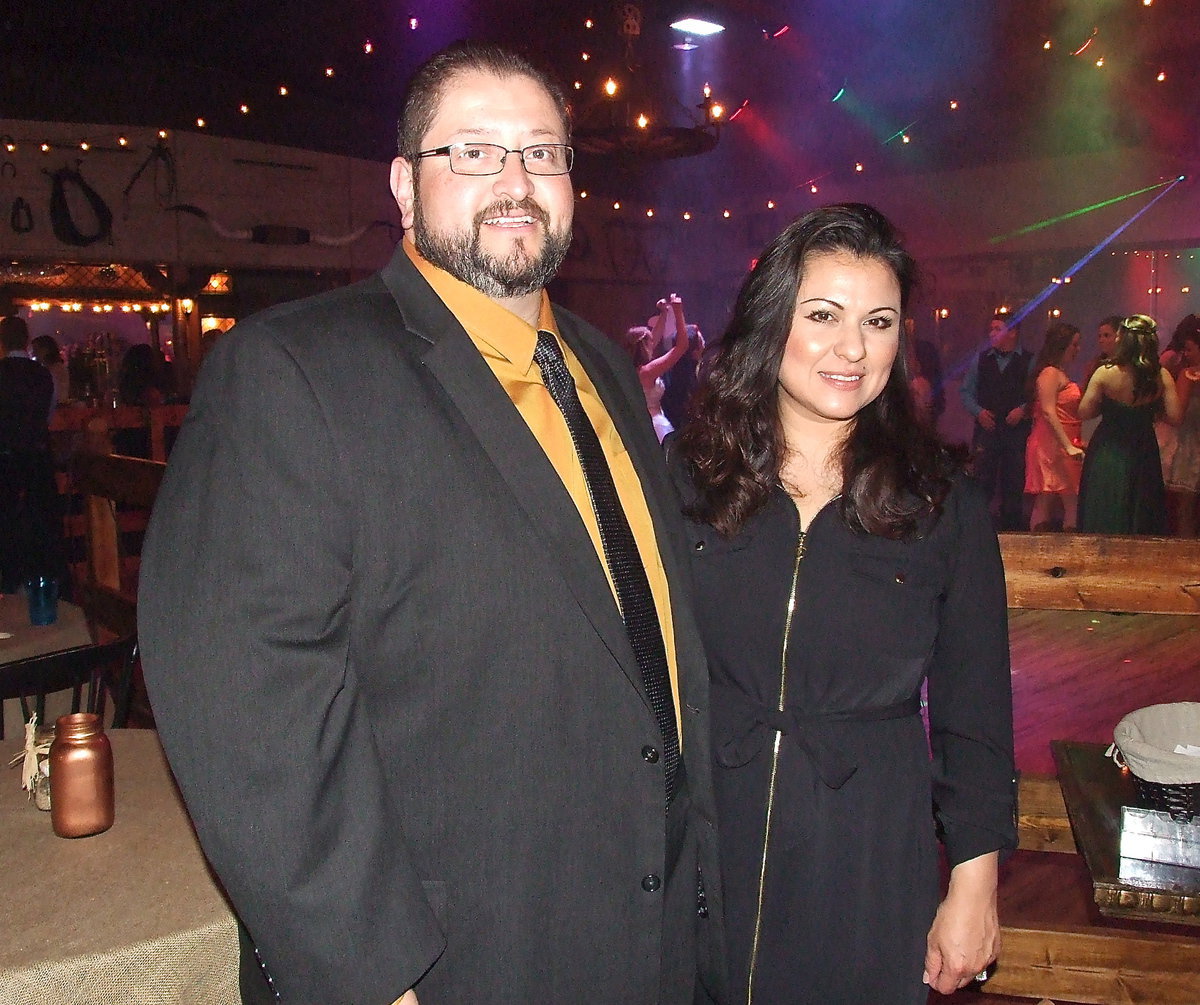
column 403, row 182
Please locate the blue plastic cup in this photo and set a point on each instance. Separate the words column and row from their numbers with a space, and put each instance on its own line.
column 43, row 600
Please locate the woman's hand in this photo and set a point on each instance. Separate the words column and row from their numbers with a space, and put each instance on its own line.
column 965, row 936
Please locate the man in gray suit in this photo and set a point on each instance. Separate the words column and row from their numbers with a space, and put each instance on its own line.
column 388, row 647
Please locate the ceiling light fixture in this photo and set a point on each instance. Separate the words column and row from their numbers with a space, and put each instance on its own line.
column 697, row 26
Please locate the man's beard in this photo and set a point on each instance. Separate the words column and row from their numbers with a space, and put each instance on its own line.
column 461, row 252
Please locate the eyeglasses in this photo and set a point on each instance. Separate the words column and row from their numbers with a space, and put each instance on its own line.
column 478, row 159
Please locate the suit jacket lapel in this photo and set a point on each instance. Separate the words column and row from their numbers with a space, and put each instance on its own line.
column 518, row 458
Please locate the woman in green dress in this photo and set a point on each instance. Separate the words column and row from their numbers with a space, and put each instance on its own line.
column 1121, row 491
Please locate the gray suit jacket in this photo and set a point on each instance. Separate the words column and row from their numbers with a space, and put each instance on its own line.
column 392, row 680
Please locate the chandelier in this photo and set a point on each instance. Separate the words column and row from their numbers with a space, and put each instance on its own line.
column 632, row 114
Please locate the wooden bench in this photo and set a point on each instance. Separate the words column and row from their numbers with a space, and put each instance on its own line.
column 1092, row 960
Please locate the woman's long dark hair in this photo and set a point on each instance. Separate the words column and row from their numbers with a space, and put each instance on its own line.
column 894, row 471
column 1059, row 337
column 1137, row 348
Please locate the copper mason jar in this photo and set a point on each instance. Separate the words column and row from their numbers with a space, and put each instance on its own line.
column 81, row 777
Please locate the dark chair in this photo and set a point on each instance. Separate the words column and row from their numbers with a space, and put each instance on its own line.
column 104, row 668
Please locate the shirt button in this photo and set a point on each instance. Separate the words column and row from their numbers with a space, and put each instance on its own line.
column 650, row 754
column 699, row 545
column 650, row 883
column 900, row 578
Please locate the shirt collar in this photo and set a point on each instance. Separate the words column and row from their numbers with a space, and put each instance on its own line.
column 485, row 320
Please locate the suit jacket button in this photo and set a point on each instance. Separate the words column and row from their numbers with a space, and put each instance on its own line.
column 650, row 883
column 650, row 754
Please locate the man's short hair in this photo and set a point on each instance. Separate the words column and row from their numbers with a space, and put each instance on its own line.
column 425, row 89
column 14, row 333
column 1006, row 319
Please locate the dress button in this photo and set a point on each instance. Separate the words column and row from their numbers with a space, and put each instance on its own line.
column 650, row 754
column 699, row 545
column 650, row 883
column 900, row 578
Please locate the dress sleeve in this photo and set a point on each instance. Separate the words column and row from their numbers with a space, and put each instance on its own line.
column 970, row 692
column 246, row 610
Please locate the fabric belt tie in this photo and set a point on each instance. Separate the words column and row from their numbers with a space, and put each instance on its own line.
column 634, row 597
column 753, row 721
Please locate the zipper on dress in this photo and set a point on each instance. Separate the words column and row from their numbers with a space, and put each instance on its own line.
column 762, row 872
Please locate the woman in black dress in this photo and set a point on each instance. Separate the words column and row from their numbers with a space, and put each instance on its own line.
column 841, row 560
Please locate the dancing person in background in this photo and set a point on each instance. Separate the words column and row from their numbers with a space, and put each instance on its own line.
column 841, row 560
column 643, row 342
column 681, row 379
column 1106, row 343
column 1171, row 358
column 1054, row 452
column 1121, row 490
column 1183, row 478
column 994, row 392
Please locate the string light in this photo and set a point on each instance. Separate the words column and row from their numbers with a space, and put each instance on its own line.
column 413, row 24
column 244, row 109
column 650, row 212
column 84, row 145
column 953, row 105
column 642, row 121
column 687, row 215
column 726, row 214
column 329, row 71
column 610, row 87
column 368, row 47
column 283, row 91
column 200, row 123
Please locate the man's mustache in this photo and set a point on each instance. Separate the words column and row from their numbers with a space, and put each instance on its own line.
column 526, row 207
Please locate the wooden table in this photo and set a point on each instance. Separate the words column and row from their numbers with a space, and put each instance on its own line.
column 130, row 915
column 1094, row 790
column 27, row 640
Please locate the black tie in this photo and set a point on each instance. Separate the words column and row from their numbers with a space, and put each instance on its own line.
column 620, row 550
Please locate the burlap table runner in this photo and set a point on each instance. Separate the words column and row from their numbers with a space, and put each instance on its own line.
column 131, row 915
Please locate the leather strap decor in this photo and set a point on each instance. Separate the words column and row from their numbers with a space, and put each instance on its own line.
column 60, row 211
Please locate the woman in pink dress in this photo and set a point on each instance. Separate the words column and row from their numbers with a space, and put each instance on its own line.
column 1054, row 450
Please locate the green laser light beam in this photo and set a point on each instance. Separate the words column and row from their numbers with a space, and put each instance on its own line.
column 1076, row 212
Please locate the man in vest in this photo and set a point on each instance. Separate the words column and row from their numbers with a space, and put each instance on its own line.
column 994, row 390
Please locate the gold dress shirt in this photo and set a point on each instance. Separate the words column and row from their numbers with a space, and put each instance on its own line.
column 506, row 343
